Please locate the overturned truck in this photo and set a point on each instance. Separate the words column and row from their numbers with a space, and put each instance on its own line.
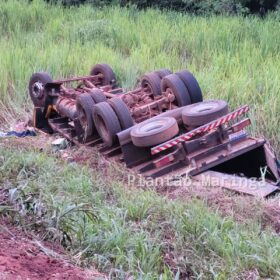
column 162, row 127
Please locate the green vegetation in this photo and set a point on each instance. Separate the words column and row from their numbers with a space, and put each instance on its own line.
column 234, row 58
column 190, row 6
column 126, row 231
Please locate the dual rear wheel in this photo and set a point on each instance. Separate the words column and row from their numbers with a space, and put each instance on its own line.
column 161, row 129
column 183, row 85
column 99, row 117
column 109, row 118
column 113, row 117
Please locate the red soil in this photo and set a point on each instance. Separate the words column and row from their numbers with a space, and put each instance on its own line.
column 23, row 259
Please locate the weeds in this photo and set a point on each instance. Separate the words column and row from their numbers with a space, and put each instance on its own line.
column 127, row 232
column 233, row 58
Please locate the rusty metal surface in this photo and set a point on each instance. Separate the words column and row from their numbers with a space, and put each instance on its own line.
column 124, row 136
column 205, row 160
column 75, row 79
column 141, row 104
column 179, row 162
column 66, row 107
column 64, row 127
column 193, row 152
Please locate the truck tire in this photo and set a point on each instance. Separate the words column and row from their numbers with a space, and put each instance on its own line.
column 84, row 105
column 150, row 82
column 163, row 72
column 204, row 112
column 122, row 112
column 173, row 84
column 97, row 95
column 154, row 132
column 192, row 85
column 106, row 123
column 109, row 77
column 36, row 88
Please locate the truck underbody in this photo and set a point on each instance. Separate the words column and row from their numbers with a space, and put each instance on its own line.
column 131, row 127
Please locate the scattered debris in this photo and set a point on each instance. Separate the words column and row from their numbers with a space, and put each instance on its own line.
column 20, row 129
column 59, row 144
column 18, row 134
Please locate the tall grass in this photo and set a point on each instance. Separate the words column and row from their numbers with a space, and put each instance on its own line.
column 234, row 58
column 130, row 233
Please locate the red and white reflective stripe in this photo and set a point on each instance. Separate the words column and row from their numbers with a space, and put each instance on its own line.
column 187, row 136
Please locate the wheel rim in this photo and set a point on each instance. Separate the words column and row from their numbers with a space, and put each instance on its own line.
column 147, row 88
column 100, row 79
column 38, row 90
column 169, row 92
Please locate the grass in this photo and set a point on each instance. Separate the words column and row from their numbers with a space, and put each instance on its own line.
column 129, row 232
column 126, row 232
column 233, row 58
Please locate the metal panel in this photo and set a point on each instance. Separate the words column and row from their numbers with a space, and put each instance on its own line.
column 238, row 184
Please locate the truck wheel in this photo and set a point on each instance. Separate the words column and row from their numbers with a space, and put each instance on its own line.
column 122, row 112
column 150, row 83
column 204, row 112
column 97, row 95
column 84, row 105
column 154, row 132
column 36, row 88
column 163, row 72
column 109, row 77
column 106, row 123
column 173, row 84
column 192, row 85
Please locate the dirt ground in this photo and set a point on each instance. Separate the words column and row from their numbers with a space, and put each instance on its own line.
column 23, row 258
